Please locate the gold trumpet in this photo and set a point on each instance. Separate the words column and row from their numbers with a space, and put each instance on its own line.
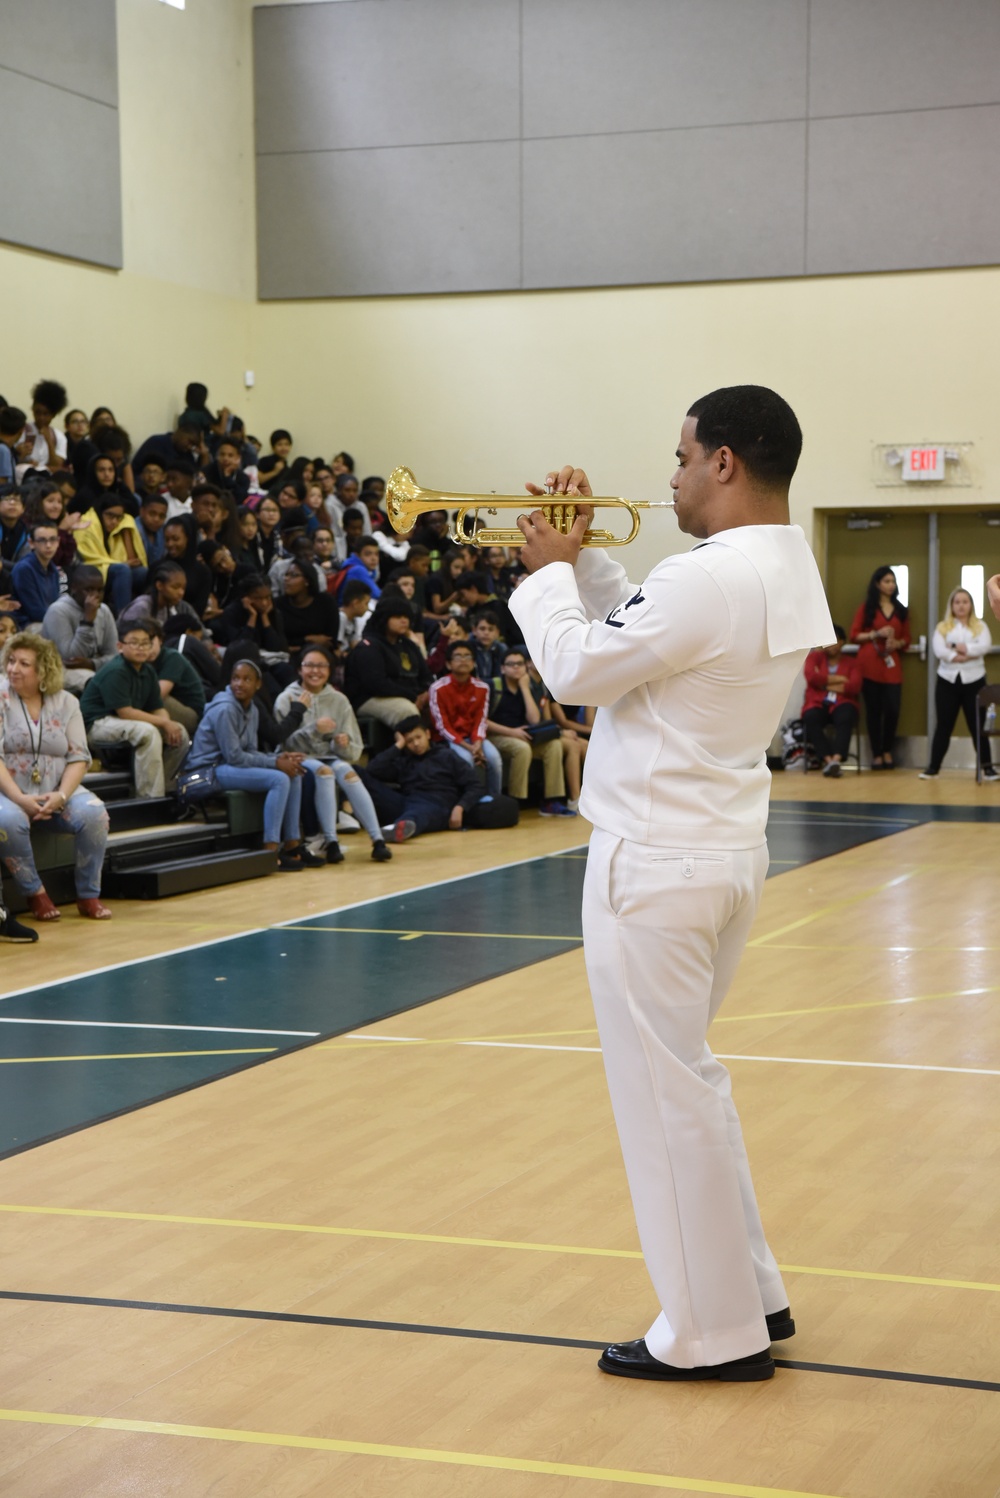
column 405, row 500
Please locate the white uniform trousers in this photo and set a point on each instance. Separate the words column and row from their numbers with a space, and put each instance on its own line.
column 664, row 929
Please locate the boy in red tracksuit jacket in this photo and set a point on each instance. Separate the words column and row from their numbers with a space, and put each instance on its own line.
column 833, row 685
column 459, row 704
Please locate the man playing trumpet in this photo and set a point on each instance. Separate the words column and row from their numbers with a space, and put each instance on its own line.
column 690, row 672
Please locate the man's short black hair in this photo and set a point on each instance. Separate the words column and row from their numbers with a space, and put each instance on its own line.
column 407, row 725
column 230, row 441
column 280, row 435
column 43, row 525
column 51, row 395
column 362, row 542
column 356, row 589
column 758, row 426
column 251, row 583
column 200, row 490
column 155, row 460
column 83, row 575
column 153, row 627
column 488, row 617
column 459, row 645
column 152, row 499
column 477, row 580
column 418, row 551
column 134, row 626
column 12, row 420
column 186, row 424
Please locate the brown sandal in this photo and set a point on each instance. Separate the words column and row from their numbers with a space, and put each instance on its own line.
column 93, row 910
column 42, row 907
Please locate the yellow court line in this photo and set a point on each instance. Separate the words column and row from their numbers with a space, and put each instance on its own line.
column 575, row 1249
column 408, row 934
column 922, row 998
column 830, row 909
column 405, row 1454
column 139, row 1055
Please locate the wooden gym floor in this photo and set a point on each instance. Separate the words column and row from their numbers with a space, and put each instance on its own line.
column 382, row 1261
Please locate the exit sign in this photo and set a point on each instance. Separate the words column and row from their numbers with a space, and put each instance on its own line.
column 923, row 463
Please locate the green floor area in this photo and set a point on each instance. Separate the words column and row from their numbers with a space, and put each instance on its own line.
column 88, row 1048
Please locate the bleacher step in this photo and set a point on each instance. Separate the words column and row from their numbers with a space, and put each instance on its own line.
column 130, row 812
column 157, row 880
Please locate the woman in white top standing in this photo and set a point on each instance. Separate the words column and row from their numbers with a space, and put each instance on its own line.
column 960, row 643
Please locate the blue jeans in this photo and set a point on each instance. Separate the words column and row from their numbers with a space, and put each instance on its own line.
column 118, row 588
column 282, row 798
column 84, row 817
column 494, row 764
column 324, row 793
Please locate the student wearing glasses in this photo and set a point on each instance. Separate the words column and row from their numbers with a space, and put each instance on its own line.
column 122, row 704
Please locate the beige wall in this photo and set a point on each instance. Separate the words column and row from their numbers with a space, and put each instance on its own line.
column 182, row 307
column 472, row 392
column 482, row 392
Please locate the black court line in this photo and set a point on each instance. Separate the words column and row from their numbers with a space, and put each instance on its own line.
column 526, row 1338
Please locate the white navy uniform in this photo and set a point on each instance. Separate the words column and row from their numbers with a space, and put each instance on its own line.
column 690, row 672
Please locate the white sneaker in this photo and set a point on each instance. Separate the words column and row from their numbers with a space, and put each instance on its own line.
column 927, row 775
column 347, row 823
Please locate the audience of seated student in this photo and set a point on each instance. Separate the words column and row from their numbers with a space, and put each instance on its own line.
column 833, row 686
column 497, row 568
column 314, row 502
column 252, row 615
column 43, row 759
column 48, row 449
column 77, row 428
column 333, row 510
column 363, row 564
column 296, row 547
column 180, row 542
column 46, row 502
column 575, row 724
column 418, row 786
column 181, row 687
column 183, row 442
column 341, row 463
column 101, row 482
column 82, row 627
column 151, row 480
column 225, row 753
column 441, row 600
column 162, row 597
column 489, row 648
column 121, row 703
column 308, row 615
column 401, row 588
column 82, row 450
column 325, row 553
column 355, row 606
column 386, row 676
column 251, row 550
column 110, row 542
column 115, row 443
column 348, row 492
column 13, row 531
column 225, row 470
column 476, row 596
column 329, row 734
column 451, row 628
column 13, row 445
column 301, row 470
column 290, row 496
column 36, row 578
column 513, row 713
column 225, row 576
column 459, row 706
column 271, row 465
column 180, row 477
column 197, row 414
column 149, row 523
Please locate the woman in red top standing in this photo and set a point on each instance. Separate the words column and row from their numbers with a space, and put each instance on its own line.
column 881, row 629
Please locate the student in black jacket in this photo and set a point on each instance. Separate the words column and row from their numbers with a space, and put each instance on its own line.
column 387, row 677
column 418, row 787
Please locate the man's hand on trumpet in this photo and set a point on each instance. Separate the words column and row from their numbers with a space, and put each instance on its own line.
column 542, row 542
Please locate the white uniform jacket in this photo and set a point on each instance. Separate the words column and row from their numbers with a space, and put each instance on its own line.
column 690, row 671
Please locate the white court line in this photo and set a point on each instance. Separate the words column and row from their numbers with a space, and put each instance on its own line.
column 518, row 1045
column 110, row 1024
column 218, row 941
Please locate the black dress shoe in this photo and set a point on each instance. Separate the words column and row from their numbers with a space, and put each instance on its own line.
column 780, row 1325
column 11, row 930
column 634, row 1360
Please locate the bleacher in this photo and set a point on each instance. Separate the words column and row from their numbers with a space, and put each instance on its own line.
column 153, row 851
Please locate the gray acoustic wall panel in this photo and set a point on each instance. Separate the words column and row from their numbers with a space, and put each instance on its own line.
column 875, row 56
column 386, row 73
column 428, row 144
column 917, row 190
column 652, row 208
column 381, row 222
column 594, row 66
column 60, row 179
column 60, row 190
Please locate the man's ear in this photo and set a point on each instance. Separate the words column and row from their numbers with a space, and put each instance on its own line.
column 725, row 460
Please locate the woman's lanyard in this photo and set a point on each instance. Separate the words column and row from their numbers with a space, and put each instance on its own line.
column 36, row 774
